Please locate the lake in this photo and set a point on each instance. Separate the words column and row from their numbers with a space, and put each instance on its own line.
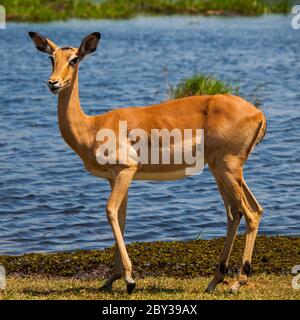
column 48, row 202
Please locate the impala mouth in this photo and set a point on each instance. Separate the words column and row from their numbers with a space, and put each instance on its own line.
column 57, row 89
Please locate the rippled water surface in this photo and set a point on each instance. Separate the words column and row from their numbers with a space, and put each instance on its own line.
column 48, row 202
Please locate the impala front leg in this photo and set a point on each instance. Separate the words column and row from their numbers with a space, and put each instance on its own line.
column 122, row 180
column 118, row 268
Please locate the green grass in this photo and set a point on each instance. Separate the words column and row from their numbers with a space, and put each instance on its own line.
column 259, row 287
column 44, row 10
column 200, row 85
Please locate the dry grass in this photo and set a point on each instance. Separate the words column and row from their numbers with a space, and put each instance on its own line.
column 260, row 287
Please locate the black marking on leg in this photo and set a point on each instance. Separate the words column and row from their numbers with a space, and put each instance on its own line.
column 247, row 268
column 223, row 268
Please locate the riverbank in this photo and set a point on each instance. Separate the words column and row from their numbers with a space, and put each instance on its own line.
column 183, row 259
column 42, row 10
column 164, row 270
column 272, row 255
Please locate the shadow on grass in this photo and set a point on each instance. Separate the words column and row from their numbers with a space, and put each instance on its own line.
column 47, row 292
column 81, row 290
column 153, row 289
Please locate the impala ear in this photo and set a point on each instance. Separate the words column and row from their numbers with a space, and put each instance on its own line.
column 89, row 44
column 41, row 43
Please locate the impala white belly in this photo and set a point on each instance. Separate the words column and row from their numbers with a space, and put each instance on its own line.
column 140, row 175
column 169, row 161
column 160, row 176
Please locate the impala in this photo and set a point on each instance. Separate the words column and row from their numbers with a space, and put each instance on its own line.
column 232, row 128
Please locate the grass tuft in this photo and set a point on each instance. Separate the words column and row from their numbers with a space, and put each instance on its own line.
column 201, row 84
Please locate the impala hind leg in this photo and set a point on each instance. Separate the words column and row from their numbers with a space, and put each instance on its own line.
column 252, row 212
column 233, row 221
column 118, row 269
column 122, row 180
column 229, row 174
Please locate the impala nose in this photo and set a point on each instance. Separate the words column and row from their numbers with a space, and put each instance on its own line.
column 53, row 84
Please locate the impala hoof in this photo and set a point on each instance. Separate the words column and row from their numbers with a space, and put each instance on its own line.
column 130, row 287
column 105, row 288
column 233, row 291
column 209, row 290
column 235, row 288
column 212, row 285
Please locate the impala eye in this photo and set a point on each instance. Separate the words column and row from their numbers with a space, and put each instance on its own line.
column 74, row 61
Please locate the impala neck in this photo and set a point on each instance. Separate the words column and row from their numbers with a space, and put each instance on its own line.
column 73, row 122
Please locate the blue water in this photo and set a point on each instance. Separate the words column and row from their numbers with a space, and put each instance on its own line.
column 48, row 202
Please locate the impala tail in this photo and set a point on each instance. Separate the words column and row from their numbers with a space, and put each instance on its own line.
column 260, row 133
column 262, row 130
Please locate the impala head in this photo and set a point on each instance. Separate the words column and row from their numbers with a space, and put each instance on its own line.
column 64, row 60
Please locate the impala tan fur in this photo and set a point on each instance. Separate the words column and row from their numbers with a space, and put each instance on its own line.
column 232, row 128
